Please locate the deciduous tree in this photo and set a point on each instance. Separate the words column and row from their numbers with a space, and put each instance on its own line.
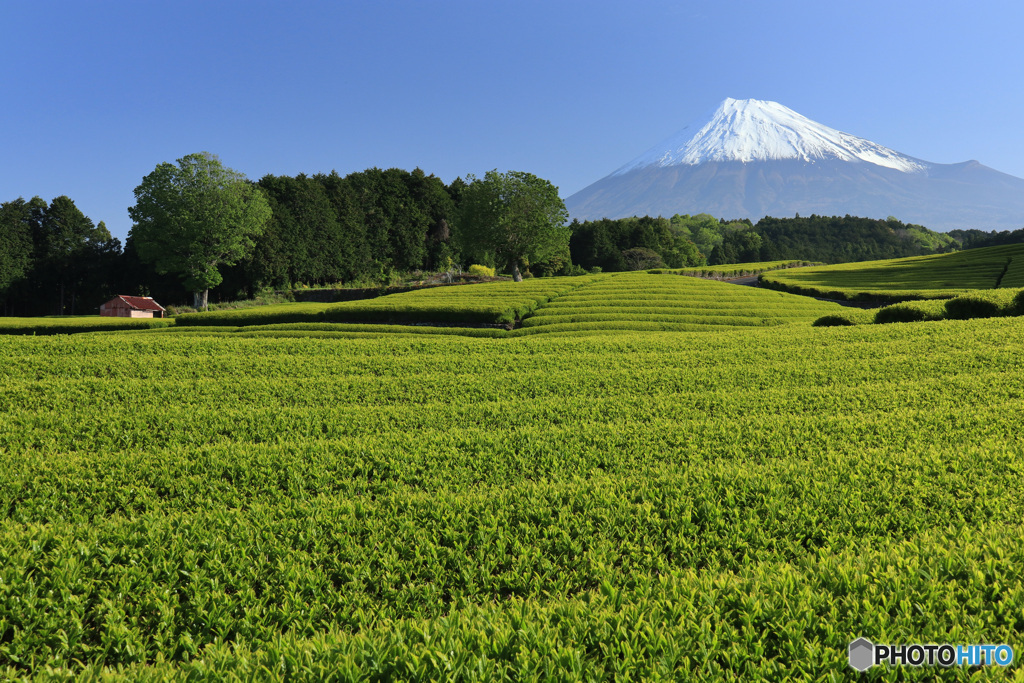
column 194, row 217
column 516, row 215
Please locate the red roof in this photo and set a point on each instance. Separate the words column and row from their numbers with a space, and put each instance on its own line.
column 141, row 303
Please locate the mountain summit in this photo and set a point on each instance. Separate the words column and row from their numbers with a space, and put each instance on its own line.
column 758, row 130
column 752, row 158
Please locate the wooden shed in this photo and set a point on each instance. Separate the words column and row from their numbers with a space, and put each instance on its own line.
column 133, row 307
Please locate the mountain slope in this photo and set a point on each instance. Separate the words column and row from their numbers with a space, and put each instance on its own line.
column 752, row 158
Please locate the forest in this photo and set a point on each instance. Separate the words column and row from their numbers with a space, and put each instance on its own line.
column 373, row 226
column 684, row 240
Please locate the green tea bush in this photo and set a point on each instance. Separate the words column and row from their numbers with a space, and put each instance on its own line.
column 849, row 316
column 911, row 311
column 605, row 504
column 682, row 304
column 485, row 303
column 922, row 277
column 833, row 321
column 982, row 304
column 77, row 324
column 1014, row 275
column 730, row 270
column 260, row 315
column 296, row 329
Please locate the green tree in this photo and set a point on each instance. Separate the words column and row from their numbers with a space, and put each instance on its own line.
column 70, row 241
column 15, row 244
column 642, row 258
column 192, row 218
column 303, row 241
column 516, row 215
column 431, row 195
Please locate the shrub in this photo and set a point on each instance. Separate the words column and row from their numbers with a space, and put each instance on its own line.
column 983, row 304
column 77, row 324
column 832, row 321
column 259, row 315
column 481, row 271
column 911, row 312
column 1017, row 305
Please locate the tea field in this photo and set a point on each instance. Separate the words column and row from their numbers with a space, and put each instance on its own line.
column 572, row 305
column 920, row 277
column 734, row 503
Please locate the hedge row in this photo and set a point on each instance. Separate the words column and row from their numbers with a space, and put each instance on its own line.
column 980, row 304
column 939, row 276
column 731, row 270
column 90, row 323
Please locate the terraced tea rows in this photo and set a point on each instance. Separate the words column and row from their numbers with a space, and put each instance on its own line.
column 982, row 303
column 641, row 301
column 924, row 277
column 76, row 324
column 731, row 270
column 492, row 302
column 650, row 506
column 619, row 301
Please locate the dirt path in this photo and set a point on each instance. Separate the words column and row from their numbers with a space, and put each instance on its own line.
column 750, row 281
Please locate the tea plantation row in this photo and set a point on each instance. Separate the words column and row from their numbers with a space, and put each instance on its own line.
column 919, row 277
column 714, row 506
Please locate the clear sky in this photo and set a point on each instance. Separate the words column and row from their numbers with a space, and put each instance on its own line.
column 96, row 94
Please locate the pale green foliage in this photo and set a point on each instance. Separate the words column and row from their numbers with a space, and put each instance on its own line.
column 194, row 217
column 480, row 271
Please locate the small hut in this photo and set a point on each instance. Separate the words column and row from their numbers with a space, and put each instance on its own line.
column 133, row 307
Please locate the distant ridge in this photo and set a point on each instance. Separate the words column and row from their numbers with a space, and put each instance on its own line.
column 755, row 158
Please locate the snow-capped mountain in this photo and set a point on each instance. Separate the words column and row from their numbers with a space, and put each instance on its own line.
column 752, row 158
column 757, row 130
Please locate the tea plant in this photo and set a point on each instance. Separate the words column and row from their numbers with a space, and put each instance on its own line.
column 638, row 505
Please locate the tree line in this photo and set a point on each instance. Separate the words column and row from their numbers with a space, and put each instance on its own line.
column 372, row 225
column 277, row 233
column 54, row 260
column 702, row 239
column 199, row 220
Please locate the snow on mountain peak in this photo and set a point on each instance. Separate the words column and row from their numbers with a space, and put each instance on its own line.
column 759, row 130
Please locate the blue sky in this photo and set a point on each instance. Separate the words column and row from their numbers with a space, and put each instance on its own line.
column 96, row 94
